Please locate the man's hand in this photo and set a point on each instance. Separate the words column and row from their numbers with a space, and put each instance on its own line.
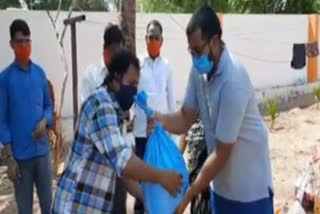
column 152, row 122
column 130, row 126
column 209, row 170
column 185, row 201
column 151, row 125
column 13, row 171
column 40, row 130
column 171, row 181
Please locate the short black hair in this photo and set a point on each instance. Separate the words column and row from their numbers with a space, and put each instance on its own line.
column 155, row 23
column 205, row 19
column 120, row 63
column 112, row 34
column 19, row 25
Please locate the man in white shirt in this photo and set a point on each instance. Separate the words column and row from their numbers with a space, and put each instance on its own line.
column 94, row 77
column 156, row 81
column 95, row 74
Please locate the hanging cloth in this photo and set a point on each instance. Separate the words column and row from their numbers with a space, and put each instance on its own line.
column 299, row 56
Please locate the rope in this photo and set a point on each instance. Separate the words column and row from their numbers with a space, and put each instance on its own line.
column 262, row 59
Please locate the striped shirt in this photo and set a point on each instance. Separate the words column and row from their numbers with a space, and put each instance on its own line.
column 98, row 155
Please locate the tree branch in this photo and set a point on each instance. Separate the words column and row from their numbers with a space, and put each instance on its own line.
column 58, row 13
column 72, row 6
column 62, row 54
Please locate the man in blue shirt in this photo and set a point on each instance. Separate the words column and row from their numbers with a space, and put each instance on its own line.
column 25, row 114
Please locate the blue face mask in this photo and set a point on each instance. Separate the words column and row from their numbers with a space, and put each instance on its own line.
column 203, row 64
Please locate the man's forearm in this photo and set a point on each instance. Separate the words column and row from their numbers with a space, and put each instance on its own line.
column 177, row 123
column 137, row 170
column 213, row 165
column 134, row 188
column 7, row 154
column 182, row 143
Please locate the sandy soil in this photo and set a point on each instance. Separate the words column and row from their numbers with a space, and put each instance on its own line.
column 292, row 143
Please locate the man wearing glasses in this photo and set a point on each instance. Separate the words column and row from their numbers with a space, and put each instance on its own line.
column 156, row 80
column 25, row 114
column 221, row 93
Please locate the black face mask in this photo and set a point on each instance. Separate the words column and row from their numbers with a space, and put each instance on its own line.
column 125, row 96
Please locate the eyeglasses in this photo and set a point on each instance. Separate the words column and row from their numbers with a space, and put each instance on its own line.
column 197, row 51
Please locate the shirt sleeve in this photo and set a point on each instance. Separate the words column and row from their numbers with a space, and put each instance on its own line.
column 105, row 133
column 47, row 104
column 170, row 93
column 190, row 98
column 232, row 108
column 5, row 132
column 87, row 83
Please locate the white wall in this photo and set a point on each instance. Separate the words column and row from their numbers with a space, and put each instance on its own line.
column 262, row 42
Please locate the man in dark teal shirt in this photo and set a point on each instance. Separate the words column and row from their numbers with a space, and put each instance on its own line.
column 25, row 114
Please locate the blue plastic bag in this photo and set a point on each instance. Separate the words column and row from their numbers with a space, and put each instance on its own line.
column 162, row 153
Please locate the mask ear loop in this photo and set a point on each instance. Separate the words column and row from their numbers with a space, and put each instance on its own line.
column 210, row 52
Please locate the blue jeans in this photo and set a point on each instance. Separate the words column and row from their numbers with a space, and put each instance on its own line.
column 222, row 205
column 36, row 171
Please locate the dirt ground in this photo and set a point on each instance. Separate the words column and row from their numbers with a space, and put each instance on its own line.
column 292, row 144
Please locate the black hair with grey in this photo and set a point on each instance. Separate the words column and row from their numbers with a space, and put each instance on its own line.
column 205, row 19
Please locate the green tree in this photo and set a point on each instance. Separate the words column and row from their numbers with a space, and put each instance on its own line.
column 276, row 6
column 233, row 6
column 182, row 6
column 4, row 4
column 88, row 5
column 301, row 6
column 259, row 6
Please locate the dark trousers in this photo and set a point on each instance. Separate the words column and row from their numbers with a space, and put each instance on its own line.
column 120, row 198
column 36, row 172
column 140, row 150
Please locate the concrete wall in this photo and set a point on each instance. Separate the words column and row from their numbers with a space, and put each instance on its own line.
column 262, row 42
column 287, row 97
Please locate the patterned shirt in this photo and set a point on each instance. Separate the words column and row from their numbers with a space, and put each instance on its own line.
column 197, row 148
column 197, row 151
column 98, row 155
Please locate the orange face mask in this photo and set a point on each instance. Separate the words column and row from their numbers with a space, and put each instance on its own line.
column 106, row 57
column 154, row 48
column 23, row 53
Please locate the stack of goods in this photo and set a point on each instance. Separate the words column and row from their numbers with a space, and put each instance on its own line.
column 307, row 189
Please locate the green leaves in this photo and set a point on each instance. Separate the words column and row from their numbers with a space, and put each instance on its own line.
column 233, row 6
column 316, row 94
column 272, row 106
column 93, row 5
column 4, row 4
column 182, row 6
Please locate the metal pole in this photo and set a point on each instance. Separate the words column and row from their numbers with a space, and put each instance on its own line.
column 72, row 22
column 74, row 73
